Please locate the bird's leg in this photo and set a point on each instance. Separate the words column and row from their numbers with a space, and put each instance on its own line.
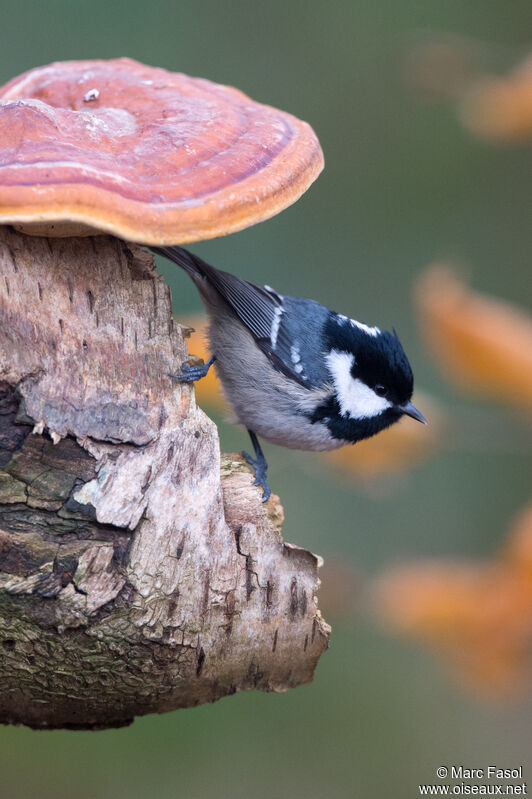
column 189, row 374
column 259, row 465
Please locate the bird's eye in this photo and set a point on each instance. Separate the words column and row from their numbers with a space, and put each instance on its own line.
column 381, row 391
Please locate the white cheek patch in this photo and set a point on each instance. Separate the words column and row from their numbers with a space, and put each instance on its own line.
column 355, row 398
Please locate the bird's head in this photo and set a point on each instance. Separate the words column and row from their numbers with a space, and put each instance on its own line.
column 371, row 377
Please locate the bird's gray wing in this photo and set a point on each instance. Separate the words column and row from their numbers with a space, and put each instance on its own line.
column 284, row 328
column 256, row 307
column 300, row 343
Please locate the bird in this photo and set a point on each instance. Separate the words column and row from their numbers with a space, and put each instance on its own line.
column 296, row 373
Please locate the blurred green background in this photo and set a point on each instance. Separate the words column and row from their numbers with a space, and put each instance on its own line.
column 404, row 184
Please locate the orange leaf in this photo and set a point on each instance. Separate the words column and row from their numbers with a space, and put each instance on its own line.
column 209, row 392
column 478, row 616
column 483, row 344
column 500, row 109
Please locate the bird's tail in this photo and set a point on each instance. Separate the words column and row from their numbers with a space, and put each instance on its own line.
column 193, row 266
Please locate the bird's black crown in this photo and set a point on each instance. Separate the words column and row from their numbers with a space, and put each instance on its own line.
column 379, row 358
column 380, row 362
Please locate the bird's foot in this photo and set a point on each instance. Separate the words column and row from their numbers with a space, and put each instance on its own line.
column 260, row 468
column 189, row 374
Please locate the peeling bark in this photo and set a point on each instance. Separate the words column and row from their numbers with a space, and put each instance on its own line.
column 139, row 570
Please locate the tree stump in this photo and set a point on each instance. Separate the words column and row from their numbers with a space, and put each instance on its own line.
column 139, row 570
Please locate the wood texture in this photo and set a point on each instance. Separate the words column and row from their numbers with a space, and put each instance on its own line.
column 139, row 570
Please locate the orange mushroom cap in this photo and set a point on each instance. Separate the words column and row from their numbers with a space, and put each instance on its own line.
column 145, row 154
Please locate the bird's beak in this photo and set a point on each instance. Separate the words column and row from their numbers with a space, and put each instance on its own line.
column 411, row 410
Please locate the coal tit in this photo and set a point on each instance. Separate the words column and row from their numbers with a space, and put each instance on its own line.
column 295, row 372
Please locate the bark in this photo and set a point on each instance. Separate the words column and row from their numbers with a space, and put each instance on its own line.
column 139, row 570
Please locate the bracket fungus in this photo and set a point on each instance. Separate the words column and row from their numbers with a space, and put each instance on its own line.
column 139, row 570
column 144, row 154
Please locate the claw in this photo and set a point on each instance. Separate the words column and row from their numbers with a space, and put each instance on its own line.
column 189, row 374
column 260, row 466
